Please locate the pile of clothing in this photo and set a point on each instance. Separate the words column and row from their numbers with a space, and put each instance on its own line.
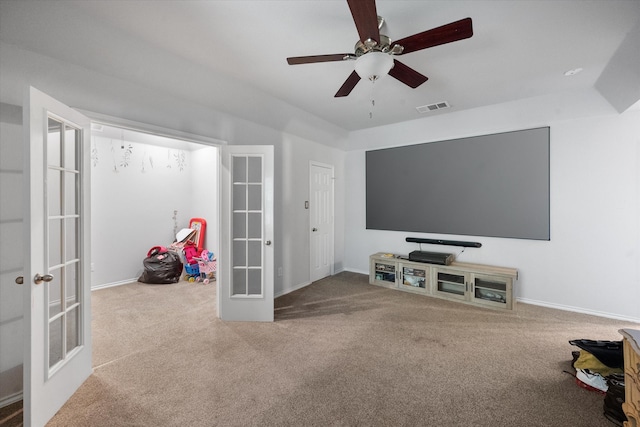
column 599, row 367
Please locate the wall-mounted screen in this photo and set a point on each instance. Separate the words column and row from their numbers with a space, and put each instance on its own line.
column 491, row 185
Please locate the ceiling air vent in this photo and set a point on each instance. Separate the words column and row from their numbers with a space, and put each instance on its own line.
column 432, row 107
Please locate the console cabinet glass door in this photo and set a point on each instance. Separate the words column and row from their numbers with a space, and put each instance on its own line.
column 491, row 290
column 414, row 277
column 384, row 273
column 450, row 283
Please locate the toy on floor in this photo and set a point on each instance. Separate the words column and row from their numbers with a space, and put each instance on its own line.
column 191, row 265
column 199, row 225
column 207, row 266
column 199, row 268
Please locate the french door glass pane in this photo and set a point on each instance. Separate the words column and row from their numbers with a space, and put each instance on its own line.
column 239, row 169
column 239, row 224
column 70, row 193
column 239, row 281
column 254, row 197
column 54, row 202
column 71, row 143
column 255, row 282
column 239, row 253
column 255, row 225
column 71, row 244
column 71, row 283
column 54, row 142
column 239, row 196
column 55, row 293
column 72, row 319
column 55, row 341
column 254, row 254
column 255, row 169
column 55, row 241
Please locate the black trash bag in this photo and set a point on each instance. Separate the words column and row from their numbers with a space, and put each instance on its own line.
column 161, row 268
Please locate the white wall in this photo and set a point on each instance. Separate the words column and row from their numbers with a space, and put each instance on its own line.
column 592, row 262
column 204, row 193
column 292, row 220
column 11, row 253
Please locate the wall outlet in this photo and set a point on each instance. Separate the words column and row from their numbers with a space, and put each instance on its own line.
column 279, row 271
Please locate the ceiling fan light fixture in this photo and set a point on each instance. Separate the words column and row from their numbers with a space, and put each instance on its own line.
column 373, row 65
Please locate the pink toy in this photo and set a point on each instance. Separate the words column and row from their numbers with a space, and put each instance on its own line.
column 207, row 265
column 190, row 253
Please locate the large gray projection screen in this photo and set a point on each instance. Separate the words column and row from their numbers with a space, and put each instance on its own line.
column 491, row 185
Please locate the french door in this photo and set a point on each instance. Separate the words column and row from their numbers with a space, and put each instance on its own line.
column 246, row 252
column 56, row 281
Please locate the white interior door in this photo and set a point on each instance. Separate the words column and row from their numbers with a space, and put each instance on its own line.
column 245, row 281
column 57, row 309
column 321, row 220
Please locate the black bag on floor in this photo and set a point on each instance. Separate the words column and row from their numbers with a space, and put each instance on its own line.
column 614, row 399
column 161, row 268
column 608, row 352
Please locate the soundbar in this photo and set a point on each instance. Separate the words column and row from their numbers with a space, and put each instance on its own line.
column 444, row 242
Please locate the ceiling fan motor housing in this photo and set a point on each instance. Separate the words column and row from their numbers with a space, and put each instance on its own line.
column 371, row 46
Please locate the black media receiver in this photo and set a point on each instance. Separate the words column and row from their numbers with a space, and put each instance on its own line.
column 431, row 257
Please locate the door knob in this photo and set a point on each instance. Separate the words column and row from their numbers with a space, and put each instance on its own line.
column 268, row 243
column 19, row 280
column 39, row 278
column 314, row 229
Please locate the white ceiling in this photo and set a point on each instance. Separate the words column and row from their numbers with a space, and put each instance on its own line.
column 231, row 55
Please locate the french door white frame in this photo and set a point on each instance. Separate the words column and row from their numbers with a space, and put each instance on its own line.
column 238, row 233
column 47, row 387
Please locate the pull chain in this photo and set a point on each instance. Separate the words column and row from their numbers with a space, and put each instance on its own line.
column 371, row 98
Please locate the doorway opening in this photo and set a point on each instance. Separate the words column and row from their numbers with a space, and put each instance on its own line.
column 145, row 189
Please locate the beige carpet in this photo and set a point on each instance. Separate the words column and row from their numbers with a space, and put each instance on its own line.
column 340, row 353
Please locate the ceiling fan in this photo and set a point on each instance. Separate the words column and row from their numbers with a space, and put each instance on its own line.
column 374, row 52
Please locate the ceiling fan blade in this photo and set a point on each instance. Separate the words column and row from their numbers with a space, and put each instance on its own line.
column 448, row 33
column 348, row 85
column 365, row 17
column 295, row 60
column 406, row 74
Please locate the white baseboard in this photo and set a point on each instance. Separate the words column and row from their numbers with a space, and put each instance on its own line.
column 578, row 310
column 112, row 284
column 351, row 270
column 13, row 398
